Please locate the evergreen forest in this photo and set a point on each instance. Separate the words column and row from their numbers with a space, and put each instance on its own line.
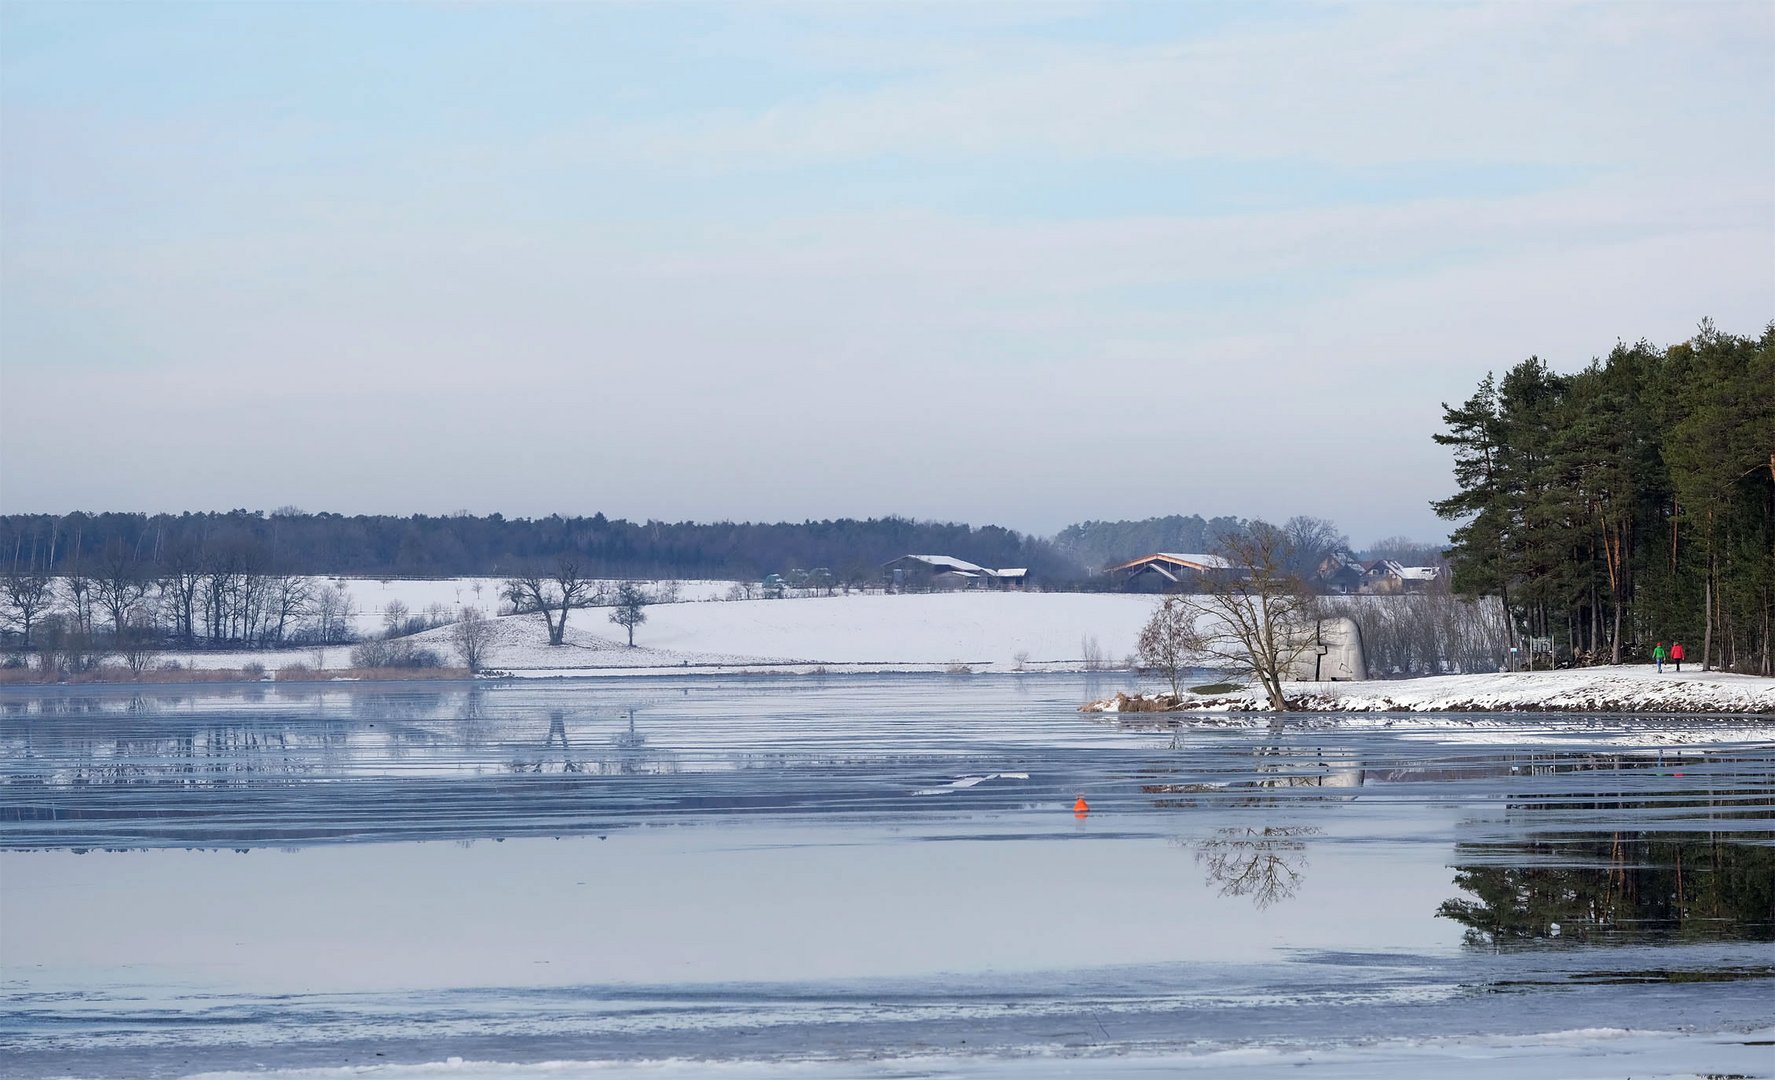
column 1629, row 503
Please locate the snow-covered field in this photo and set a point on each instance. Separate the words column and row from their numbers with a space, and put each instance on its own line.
column 1628, row 688
column 370, row 597
column 980, row 631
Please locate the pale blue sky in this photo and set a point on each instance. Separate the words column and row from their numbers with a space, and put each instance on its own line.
column 988, row 262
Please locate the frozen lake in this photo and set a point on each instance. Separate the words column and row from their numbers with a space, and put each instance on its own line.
column 869, row 877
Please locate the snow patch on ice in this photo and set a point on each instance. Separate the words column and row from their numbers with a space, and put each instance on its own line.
column 962, row 783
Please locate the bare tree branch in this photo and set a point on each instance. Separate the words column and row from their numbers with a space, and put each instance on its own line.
column 1255, row 617
column 554, row 593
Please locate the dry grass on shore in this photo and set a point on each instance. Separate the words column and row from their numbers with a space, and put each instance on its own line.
column 298, row 673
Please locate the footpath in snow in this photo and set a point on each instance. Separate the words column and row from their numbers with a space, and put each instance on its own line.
column 1631, row 688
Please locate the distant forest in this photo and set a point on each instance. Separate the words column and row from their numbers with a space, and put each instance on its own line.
column 294, row 542
column 291, row 541
column 1096, row 544
column 1099, row 543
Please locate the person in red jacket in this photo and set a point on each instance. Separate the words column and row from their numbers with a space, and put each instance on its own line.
column 1676, row 654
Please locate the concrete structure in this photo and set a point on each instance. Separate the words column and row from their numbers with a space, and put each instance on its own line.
column 1334, row 656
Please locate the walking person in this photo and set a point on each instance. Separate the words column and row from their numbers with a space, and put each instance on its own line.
column 1676, row 654
column 1658, row 655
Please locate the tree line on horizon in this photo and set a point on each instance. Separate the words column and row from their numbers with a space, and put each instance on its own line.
column 290, row 541
column 1627, row 503
column 463, row 545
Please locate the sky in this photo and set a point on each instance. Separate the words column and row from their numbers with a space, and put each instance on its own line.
column 1024, row 264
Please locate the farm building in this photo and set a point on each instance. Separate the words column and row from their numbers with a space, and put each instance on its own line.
column 1384, row 576
column 1339, row 572
column 1165, row 571
column 920, row 573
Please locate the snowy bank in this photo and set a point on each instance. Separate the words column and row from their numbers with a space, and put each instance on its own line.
column 1608, row 689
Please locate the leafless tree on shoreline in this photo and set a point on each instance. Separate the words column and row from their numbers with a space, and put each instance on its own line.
column 1165, row 643
column 554, row 593
column 473, row 636
column 1256, row 617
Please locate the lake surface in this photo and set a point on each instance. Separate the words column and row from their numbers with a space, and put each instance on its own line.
column 870, row 877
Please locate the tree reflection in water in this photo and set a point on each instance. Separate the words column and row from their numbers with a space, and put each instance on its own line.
column 1264, row 864
column 625, row 753
column 1612, row 885
column 1626, row 886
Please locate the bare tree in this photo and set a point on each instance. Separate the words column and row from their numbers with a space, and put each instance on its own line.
column 630, row 599
column 78, row 586
column 64, row 650
column 181, row 584
column 139, row 644
column 1256, row 617
column 330, row 616
column 1165, row 643
column 119, row 585
column 28, row 596
column 396, row 619
column 1311, row 541
column 1406, row 551
column 553, row 592
column 473, row 636
column 1426, row 633
column 288, row 597
column 234, row 590
column 1092, row 653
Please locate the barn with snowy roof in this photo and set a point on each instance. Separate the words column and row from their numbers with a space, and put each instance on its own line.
column 1165, row 571
column 918, row 573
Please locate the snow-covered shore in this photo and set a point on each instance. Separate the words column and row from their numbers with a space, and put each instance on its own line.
column 981, row 632
column 1630, row 688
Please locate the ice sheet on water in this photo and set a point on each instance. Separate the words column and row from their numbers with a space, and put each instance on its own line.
column 1597, row 1053
column 607, row 950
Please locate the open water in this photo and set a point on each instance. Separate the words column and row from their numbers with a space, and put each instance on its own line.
column 869, row 877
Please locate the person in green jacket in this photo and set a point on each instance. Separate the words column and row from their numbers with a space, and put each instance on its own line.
column 1658, row 655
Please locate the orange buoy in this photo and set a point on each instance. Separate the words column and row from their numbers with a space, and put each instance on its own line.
column 1081, row 807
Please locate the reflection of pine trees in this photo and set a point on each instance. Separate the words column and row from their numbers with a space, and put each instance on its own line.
column 1680, row 886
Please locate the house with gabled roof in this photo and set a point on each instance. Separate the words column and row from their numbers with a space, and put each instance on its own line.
column 1388, row 576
